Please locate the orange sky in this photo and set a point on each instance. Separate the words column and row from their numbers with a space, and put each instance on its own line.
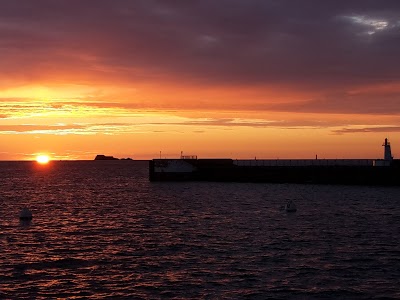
column 131, row 80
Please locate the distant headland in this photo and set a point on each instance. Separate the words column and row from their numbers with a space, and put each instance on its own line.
column 106, row 157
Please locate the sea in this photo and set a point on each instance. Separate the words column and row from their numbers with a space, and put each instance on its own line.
column 102, row 230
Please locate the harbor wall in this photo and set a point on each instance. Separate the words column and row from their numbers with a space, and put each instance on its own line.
column 359, row 172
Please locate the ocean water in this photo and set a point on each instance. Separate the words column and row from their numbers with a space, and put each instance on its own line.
column 101, row 230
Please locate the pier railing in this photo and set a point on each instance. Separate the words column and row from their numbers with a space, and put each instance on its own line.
column 303, row 162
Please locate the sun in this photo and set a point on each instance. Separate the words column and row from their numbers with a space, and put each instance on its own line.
column 42, row 159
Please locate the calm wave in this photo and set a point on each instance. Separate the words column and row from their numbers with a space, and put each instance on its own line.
column 101, row 230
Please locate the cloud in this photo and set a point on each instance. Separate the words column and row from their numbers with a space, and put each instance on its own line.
column 208, row 41
column 211, row 122
column 328, row 47
column 345, row 103
column 368, row 129
column 32, row 128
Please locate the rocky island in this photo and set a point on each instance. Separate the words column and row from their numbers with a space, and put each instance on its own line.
column 106, row 157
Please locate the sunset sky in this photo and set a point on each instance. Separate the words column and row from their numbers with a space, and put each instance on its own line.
column 213, row 78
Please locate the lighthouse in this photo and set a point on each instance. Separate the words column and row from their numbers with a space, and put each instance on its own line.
column 388, row 152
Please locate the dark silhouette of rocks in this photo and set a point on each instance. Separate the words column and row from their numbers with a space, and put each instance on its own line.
column 106, row 157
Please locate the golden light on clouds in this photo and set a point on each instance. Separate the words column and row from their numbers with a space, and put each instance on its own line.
column 73, row 129
column 46, row 92
column 288, row 86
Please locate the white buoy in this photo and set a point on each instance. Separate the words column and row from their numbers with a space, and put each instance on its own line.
column 290, row 206
column 25, row 214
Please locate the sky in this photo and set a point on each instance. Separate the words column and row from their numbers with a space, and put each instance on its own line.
column 212, row 78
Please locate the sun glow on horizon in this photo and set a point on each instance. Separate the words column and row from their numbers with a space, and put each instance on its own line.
column 42, row 159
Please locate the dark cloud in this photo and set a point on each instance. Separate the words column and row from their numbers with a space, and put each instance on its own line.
column 384, row 103
column 384, row 129
column 328, row 46
column 231, row 123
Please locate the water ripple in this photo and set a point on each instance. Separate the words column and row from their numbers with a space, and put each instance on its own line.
column 101, row 230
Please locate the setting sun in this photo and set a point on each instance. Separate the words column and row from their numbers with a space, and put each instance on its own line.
column 43, row 159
